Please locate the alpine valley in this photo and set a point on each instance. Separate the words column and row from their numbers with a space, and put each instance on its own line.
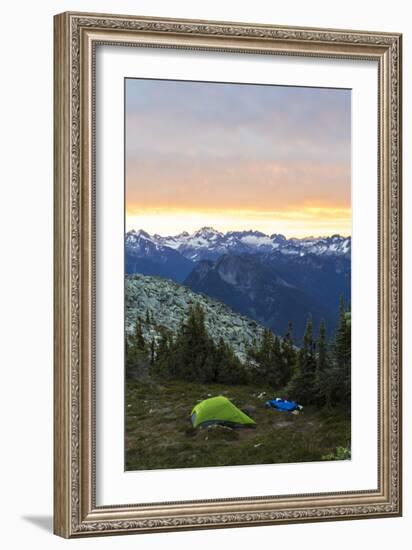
column 267, row 278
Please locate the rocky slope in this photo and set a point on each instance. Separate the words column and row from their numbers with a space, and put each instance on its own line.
column 166, row 304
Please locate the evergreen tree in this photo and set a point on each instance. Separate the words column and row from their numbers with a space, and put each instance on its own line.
column 137, row 362
column 227, row 367
column 265, row 355
column 322, row 358
column 138, row 339
column 128, row 355
column 288, row 353
column 302, row 385
column 162, row 364
column 152, row 351
column 193, row 351
column 193, row 355
column 268, row 356
column 342, row 357
column 324, row 371
column 276, row 375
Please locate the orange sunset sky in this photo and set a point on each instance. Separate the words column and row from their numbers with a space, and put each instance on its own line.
column 237, row 157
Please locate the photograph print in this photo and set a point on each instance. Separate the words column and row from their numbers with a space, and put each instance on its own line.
column 237, row 274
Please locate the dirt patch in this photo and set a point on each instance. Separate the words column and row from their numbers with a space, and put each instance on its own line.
column 281, row 424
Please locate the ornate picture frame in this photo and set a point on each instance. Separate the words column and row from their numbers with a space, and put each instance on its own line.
column 76, row 510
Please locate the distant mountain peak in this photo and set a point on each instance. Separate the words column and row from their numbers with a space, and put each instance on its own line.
column 140, row 233
column 209, row 243
column 276, row 237
column 206, row 231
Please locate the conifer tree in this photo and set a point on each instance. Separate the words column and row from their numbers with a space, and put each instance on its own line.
column 324, row 371
column 322, row 358
column 268, row 356
column 302, row 384
column 193, row 352
column 288, row 353
column 138, row 340
column 342, row 357
column 136, row 352
column 228, row 368
column 152, row 351
column 128, row 355
column 162, row 365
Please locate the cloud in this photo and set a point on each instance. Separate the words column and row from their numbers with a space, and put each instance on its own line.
column 210, row 119
column 194, row 145
column 223, row 184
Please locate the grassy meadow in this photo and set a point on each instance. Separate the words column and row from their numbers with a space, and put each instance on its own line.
column 159, row 433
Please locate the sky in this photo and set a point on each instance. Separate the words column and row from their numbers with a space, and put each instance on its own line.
column 237, row 157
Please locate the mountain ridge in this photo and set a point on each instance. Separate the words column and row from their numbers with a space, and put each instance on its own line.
column 258, row 291
column 288, row 278
column 208, row 243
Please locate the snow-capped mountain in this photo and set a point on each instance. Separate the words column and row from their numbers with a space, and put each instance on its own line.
column 269, row 278
column 145, row 254
column 209, row 244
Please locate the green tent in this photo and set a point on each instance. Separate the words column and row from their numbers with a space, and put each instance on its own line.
column 219, row 410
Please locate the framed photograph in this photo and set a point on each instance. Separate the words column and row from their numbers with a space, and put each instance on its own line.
column 227, row 274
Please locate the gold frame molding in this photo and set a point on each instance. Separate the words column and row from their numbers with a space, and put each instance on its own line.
column 75, row 38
